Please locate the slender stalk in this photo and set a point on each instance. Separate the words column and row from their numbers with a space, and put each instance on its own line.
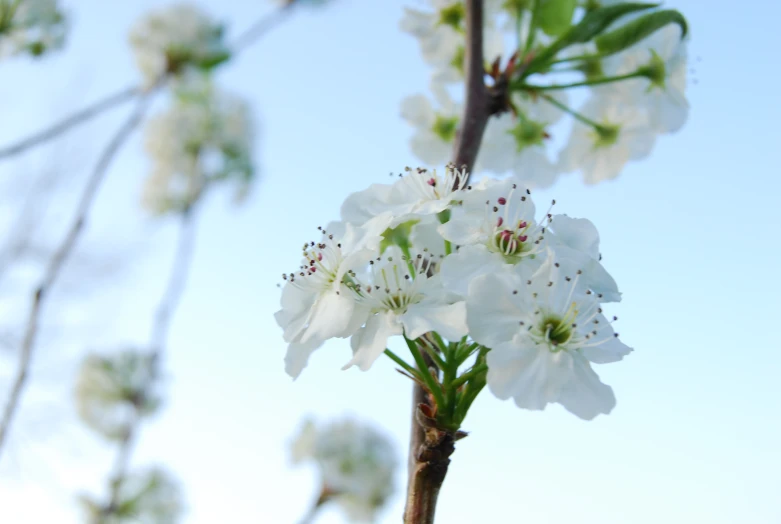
column 477, row 106
column 59, row 259
column 63, row 251
column 260, row 28
column 244, row 40
column 72, row 120
column 161, row 324
column 586, row 83
column 429, row 451
column 567, row 109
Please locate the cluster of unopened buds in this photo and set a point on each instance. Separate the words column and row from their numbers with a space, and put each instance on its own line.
column 460, row 273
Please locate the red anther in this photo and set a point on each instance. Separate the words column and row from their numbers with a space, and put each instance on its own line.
column 522, row 238
column 502, row 201
column 319, row 257
column 432, row 182
column 522, row 224
column 499, row 222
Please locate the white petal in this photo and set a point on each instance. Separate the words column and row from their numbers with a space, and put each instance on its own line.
column 296, row 309
column 417, row 110
column 372, row 339
column 297, row 356
column 462, row 229
column 577, row 233
column 330, row 316
column 584, row 394
column 360, row 207
column 459, row 269
column 528, row 373
column 447, row 320
column 493, row 312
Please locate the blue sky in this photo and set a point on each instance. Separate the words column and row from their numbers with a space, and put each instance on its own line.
column 690, row 234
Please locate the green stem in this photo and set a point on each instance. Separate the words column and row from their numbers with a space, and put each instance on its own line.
column 519, row 86
column 476, row 370
column 532, row 27
column 410, row 265
column 432, row 384
column 432, row 352
column 400, row 361
column 572, row 112
column 578, row 58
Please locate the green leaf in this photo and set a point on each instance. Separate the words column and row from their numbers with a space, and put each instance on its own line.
column 555, row 16
column 638, row 29
column 590, row 26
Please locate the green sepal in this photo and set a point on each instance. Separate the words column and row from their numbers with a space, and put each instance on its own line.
column 555, row 16
column 638, row 29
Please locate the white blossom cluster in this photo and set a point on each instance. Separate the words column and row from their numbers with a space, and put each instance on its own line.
column 617, row 123
column 30, row 26
column 477, row 262
column 204, row 137
column 356, row 464
column 113, row 389
column 177, row 40
column 149, row 496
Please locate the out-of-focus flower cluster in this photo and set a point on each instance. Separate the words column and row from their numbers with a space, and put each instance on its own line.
column 177, row 40
column 356, row 465
column 31, row 26
column 633, row 67
column 204, row 137
column 149, row 496
column 112, row 390
column 475, row 266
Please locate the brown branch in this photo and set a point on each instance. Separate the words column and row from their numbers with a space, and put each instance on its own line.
column 430, row 448
column 70, row 121
column 59, row 258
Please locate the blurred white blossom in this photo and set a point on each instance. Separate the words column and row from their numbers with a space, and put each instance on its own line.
column 113, row 390
column 356, row 464
column 31, row 26
column 204, row 137
column 148, row 497
column 175, row 40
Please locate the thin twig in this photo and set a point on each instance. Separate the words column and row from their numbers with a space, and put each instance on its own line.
column 262, row 27
column 59, row 258
column 244, row 40
column 252, row 35
column 428, row 461
column 161, row 324
column 72, row 120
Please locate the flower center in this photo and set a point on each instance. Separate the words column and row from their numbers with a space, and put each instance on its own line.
column 556, row 330
column 510, row 243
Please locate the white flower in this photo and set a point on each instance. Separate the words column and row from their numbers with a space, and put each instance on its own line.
column 576, row 244
column 357, row 465
column 176, row 39
column 664, row 54
column 495, row 227
column 148, row 496
column 317, row 303
column 30, row 26
column 418, row 193
column 204, row 137
column 435, row 130
column 624, row 133
column 544, row 335
column 402, row 297
column 112, row 390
